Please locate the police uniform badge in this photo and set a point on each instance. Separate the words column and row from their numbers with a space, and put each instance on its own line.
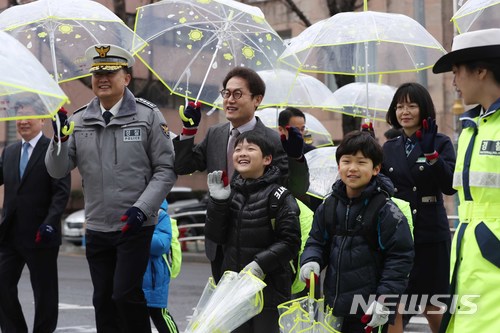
column 164, row 129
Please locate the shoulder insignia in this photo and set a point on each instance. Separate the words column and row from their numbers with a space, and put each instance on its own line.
column 164, row 130
column 81, row 109
column 146, row 102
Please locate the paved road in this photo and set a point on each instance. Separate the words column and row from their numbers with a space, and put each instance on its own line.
column 76, row 312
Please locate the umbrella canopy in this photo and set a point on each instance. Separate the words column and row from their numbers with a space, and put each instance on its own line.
column 318, row 133
column 58, row 32
column 352, row 99
column 234, row 300
column 308, row 314
column 25, row 82
column 477, row 15
column 363, row 43
column 286, row 88
column 323, row 170
column 206, row 39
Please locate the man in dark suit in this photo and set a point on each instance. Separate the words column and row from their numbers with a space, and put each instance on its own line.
column 243, row 91
column 30, row 227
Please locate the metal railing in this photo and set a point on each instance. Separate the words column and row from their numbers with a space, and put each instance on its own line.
column 202, row 225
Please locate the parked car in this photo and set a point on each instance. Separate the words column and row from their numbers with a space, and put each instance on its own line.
column 73, row 225
column 191, row 214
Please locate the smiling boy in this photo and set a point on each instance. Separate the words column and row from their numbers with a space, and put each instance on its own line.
column 238, row 219
column 361, row 260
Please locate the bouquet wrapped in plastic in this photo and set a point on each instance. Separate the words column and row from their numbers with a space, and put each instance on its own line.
column 223, row 308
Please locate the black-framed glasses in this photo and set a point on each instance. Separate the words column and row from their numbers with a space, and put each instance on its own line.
column 237, row 94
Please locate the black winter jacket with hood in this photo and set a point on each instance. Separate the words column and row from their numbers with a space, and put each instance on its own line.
column 353, row 267
column 243, row 226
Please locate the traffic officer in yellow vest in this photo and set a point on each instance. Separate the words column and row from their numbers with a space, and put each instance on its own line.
column 475, row 257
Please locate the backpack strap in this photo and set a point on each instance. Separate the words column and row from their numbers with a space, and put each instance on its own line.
column 329, row 210
column 369, row 218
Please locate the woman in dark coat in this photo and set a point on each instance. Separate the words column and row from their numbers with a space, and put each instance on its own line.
column 420, row 163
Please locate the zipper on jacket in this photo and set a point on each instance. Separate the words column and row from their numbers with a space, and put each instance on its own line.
column 116, row 153
column 238, row 235
column 339, row 259
column 153, row 276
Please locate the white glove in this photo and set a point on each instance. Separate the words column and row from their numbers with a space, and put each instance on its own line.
column 216, row 186
column 307, row 268
column 379, row 313
column 254, row 268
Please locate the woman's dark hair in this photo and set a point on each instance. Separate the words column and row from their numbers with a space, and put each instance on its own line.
column 259, row 140
column 411, row 92
column 492, row 65
column 360, row 141
column 255, row 83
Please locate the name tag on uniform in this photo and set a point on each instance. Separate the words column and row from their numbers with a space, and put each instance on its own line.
column 132, row 134
column 490, row 147
column 421, row 160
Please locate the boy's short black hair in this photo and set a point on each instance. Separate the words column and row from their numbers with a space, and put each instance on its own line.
column 289, row 112
column 360, row 141
column 253, row 137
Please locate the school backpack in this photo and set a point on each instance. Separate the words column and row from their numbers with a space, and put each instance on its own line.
column 306, row 217
column 368, row 217
column 174, row 256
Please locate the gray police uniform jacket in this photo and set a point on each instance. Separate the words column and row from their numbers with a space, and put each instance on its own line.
column 129, row 162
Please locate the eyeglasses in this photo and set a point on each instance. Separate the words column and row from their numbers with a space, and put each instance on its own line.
column 237, row 94
column 407, row 107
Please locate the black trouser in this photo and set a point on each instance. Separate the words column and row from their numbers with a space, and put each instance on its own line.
column 42, row 265
column 163, row 320
column 117, row 264
column 266, row 321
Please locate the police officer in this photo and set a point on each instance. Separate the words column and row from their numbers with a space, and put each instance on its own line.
column 475, row 259
column 123, row 150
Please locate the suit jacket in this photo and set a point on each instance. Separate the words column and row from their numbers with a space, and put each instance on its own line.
column 422, row 185
column 35, row 199
column 211, row 155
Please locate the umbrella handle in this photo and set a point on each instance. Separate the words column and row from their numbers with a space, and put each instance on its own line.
column 183, row 117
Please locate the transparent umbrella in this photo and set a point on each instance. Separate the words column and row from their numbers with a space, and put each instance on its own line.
column 318, row 134
column 206, row 39
column 362, row 44
column 286, row 88
column 352, row 99
column 26, row 88
column 323, row 170
column 477, row 15
column 58, row 32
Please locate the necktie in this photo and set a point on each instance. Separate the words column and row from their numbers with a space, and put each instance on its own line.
column 107, row 116
column 24, row 159
column 230, row 149
column 409, row 146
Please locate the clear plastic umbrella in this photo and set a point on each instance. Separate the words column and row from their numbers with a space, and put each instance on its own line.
column 477, row 15
column 287, row 88
column 58, row 32
column 352, row 99
column 318, row 133
column 25, row 82
column 323, row 170
column 307, row 314
column 206, row 39
column 234, row 301
column 362, row 44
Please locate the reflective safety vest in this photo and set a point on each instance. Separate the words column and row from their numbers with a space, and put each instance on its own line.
column 475, row 254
